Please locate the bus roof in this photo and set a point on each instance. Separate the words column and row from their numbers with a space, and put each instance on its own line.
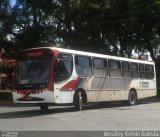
column 83, row 53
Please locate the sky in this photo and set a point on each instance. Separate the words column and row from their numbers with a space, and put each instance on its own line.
column 13, row 2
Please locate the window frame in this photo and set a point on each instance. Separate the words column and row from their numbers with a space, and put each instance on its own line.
column 110, row 69
column 142, row 71
column 126, row 70
column 135, row 71
column 148, row 72
column 104, row 68
column 81, row 66
column 58, row 59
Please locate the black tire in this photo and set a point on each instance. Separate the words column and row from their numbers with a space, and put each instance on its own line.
column 78, row 101
column 132, row 98
column 44, row 108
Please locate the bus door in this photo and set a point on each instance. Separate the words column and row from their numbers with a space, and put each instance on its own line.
column 116, row 83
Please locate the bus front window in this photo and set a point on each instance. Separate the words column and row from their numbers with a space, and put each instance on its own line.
column 32, row 72
column 63, row 67
column 63, row 70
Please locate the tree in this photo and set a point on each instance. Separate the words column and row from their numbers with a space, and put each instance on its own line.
column 6, row 25
column 115, row 27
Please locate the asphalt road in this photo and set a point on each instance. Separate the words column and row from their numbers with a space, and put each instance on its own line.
column 102, row 117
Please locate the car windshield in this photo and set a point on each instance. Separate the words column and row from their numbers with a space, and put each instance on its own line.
column 32, row 72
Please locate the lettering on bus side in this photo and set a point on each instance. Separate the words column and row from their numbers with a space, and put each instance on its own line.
column 145, row 84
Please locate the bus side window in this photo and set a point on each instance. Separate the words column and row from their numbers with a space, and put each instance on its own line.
column 114, row 68
column 100, row 67
column 83, row 65
column 126, row 69
column 134, row 70
column 149, row 71
column 141, row 71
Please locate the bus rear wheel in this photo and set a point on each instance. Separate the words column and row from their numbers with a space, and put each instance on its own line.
column 132, row 98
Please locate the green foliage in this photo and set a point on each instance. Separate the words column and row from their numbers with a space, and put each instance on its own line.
column 114, row 27
column 5, row 24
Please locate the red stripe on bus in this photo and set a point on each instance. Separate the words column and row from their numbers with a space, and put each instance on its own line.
column 55, row 52
column 71, row 85
column 31, row 91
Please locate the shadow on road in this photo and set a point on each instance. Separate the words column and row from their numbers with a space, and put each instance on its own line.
column 31, row 112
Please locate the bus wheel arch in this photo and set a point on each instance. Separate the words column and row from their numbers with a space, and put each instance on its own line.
column 132, row 97
column 79, row 98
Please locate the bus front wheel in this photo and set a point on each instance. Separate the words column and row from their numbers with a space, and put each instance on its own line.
column 132, row 98
column 44, row 108
column 78, row 101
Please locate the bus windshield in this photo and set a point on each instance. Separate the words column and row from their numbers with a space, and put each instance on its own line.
column 32, row 69
column 31, row 72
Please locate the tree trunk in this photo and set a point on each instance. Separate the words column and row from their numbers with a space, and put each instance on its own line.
column 150, row 49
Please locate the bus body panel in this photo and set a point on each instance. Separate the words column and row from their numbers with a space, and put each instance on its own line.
column 144, row 88
column 41, row 97
column 63, row 97
column 97, row 89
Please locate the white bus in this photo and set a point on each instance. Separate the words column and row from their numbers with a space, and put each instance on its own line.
column 58, row 76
